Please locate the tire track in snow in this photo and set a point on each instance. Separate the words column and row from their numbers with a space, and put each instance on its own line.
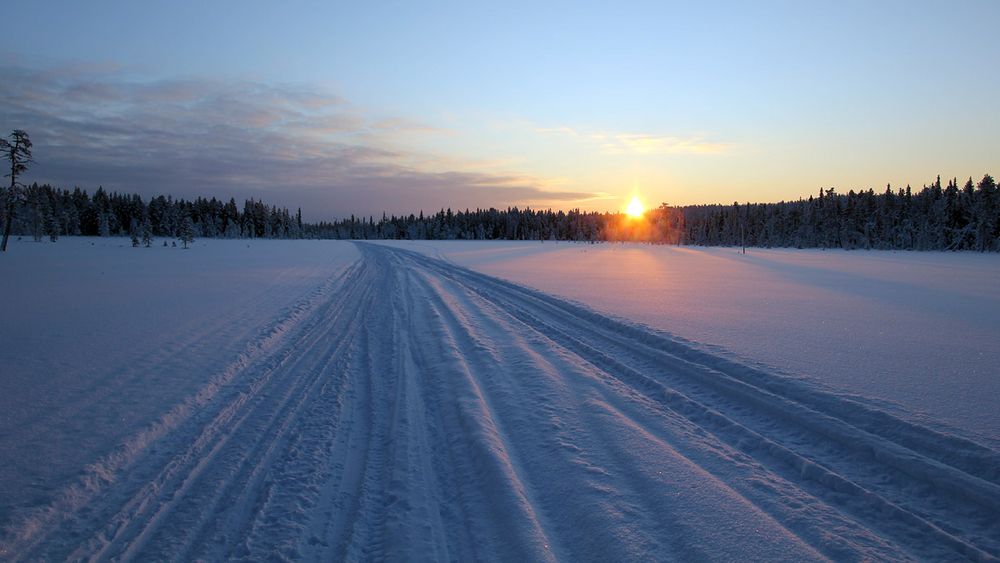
column 100, row 408
column 412, row 409
column 906, row 480
column 47, row 525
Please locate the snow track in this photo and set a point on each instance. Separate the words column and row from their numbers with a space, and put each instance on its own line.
column 410, row 409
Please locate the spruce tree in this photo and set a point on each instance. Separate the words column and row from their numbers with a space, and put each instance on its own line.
column 54, row 227
column 186, row 233
column 103, row 226
column 146, row 232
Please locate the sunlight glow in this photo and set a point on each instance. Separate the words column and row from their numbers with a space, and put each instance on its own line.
column 635, row 207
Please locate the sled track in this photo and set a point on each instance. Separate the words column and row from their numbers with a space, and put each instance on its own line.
column 412, row 409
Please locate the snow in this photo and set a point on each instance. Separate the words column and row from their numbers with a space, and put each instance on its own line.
column 352, row 401
column 919, row 331
column 99, row 340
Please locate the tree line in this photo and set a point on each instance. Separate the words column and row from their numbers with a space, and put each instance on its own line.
column 949, row 217
column 512, row 223
column 933, row 218
column 42, row 211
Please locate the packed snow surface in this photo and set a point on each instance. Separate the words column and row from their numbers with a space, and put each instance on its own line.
column 352, row 401
column 920, row 330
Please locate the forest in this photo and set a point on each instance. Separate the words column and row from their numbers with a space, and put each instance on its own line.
column 936, row 217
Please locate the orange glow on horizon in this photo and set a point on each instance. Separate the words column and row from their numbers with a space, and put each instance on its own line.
column 635, row 207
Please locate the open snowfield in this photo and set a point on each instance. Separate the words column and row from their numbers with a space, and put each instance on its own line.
column 920, row 330
column 342, row 401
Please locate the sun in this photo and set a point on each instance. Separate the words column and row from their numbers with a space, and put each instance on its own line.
column 635, row 207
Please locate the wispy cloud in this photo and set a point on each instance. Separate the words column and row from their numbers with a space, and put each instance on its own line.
column 638, row 143
column 291, row 144
column 658, row 144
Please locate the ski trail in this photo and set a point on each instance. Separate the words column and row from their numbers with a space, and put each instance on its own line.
column 896, row 479
column 409, row 409
column 51, row 524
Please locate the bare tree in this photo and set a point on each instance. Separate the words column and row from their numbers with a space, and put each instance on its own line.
column 18, row 151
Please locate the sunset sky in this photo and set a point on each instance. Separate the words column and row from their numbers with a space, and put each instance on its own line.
column 362, row 107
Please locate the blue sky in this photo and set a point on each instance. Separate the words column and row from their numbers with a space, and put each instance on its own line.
column 400, row 106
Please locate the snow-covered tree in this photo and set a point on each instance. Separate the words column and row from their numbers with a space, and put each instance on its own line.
column 18, row 151
column 146, row 232
column 186, row 232
column 103, row 226
column 54, row 227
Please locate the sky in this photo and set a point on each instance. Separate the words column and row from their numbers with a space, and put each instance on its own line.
column 364, row 107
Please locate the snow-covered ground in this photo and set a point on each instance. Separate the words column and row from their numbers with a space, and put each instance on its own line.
column 341, row 401
column 103, row 346
column 918, row 329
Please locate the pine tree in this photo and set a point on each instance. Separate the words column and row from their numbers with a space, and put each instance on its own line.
column 39, row 212
column 18, row 151
column 146, row 232
column 103, row 226
column 54, row 227
column 186, row 234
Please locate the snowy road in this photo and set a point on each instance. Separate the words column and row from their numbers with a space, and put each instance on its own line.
column 411, row 409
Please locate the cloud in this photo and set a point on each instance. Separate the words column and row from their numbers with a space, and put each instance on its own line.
column 289, row 144
column 657, row 144
column 638, row 143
